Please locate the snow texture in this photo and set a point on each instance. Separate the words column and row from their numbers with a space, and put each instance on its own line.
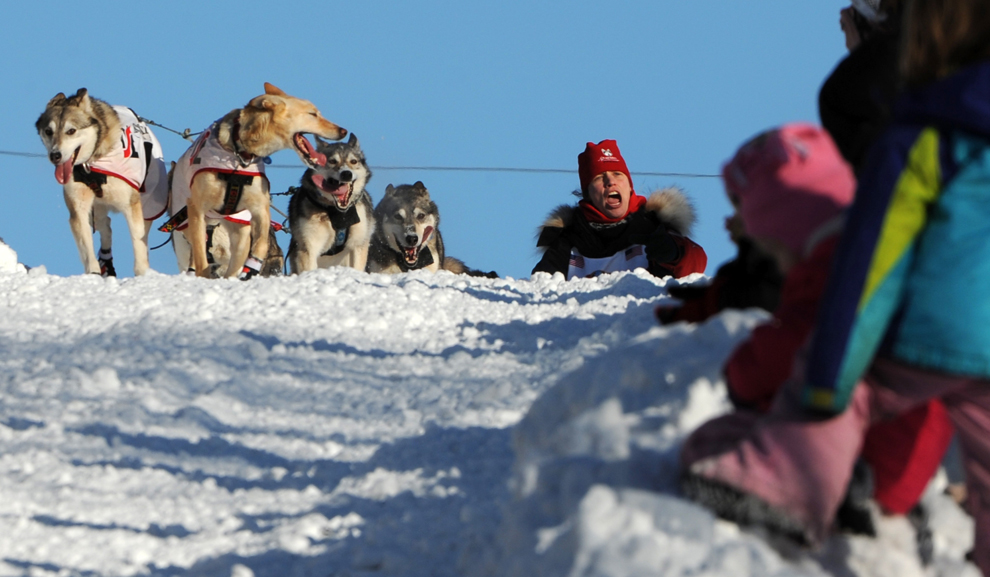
column 341, row 423
column 8, row 259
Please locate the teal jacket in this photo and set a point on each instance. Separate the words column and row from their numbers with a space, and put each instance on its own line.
column 911, row 277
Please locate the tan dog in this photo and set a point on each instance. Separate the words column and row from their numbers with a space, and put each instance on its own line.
column 221, row 177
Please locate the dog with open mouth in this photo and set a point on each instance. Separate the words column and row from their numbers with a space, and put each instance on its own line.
column 106, row 159
column 330, row 214
column 407, row 234
column 221, row 178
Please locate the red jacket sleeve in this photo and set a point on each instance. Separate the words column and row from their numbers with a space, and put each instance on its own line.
column 693, row 258
column 759, row 366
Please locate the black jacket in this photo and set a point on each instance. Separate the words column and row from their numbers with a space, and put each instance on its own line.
column 856, row 100
column 666, row 212
column 600, row 241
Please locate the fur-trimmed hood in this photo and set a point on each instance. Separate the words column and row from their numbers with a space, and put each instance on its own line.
column 670, row 204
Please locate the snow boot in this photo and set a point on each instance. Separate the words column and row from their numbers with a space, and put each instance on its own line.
column 855, row 515
column 742, row 508
column 918, row 516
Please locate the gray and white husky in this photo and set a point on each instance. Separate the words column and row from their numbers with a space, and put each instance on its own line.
column 407, row 234
column 330, row 214
column 106, row 159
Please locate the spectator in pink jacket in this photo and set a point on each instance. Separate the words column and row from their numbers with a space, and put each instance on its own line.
column 791, row 187
column 896, row 328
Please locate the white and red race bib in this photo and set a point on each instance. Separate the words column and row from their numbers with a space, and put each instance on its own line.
column 632, row 258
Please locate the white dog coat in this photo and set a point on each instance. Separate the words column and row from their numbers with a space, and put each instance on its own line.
column 207, row 154
column 127, row 162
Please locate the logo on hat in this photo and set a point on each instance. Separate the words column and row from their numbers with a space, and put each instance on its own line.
column 606, row 152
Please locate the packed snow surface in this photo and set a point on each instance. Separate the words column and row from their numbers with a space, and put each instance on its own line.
column 341, row 423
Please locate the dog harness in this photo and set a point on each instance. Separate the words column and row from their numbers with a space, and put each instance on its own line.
column 206, row 154
column 425, row 259
column 341, row 221
column 137, row 159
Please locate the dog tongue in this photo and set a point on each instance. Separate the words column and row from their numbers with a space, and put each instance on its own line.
column 319, row 158
column 320, row 182
column 63, row 172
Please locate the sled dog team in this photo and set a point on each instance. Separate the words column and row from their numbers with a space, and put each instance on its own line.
column 217, row 195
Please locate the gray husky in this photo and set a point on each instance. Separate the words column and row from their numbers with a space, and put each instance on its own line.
column 330, row 214
column 106, row 159
column 407, row 235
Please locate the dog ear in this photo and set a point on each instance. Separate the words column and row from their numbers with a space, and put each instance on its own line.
column 274, row 90
column 273, row 103
column 81, row 94
column 418, row 185
column 389, row 189
column 353, row 141
column 56, row 100
column 80, row 98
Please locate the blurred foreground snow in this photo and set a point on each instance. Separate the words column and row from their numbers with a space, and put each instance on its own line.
column 340, row 423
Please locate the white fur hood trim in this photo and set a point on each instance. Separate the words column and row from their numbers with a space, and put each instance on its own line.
column 670, row 204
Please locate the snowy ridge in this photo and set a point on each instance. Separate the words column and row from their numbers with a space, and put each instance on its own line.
column 340, row 423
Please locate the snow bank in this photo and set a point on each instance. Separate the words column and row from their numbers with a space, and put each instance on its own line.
column 595, row 478
column 336, row 422
column 341, row 423
column 8, row 260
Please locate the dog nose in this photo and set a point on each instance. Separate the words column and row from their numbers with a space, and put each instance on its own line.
column 412, row 239
column 55, row 156
column 346, row 176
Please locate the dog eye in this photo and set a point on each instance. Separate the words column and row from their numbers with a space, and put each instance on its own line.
column 354, row 162
column 70, row 131
column 397, row 216
column 421, row 216
column 49, row 132
column 315, row 114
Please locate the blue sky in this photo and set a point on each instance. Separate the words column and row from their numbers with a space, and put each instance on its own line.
column 679, row 85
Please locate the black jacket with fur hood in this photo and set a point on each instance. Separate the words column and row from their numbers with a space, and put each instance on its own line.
column 567, row 239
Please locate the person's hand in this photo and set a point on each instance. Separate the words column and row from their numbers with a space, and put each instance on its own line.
column 667, row 312
column 847, row 21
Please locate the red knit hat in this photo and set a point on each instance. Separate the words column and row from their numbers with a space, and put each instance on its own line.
column 789, row 181
column 598, row 158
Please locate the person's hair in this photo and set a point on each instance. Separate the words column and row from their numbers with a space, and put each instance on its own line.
column 891, row 7
column 941, row 36
column 892, row 11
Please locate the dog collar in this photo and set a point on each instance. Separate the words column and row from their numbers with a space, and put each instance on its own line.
column 339, row 217
column 425, row 259
column 243, row 157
